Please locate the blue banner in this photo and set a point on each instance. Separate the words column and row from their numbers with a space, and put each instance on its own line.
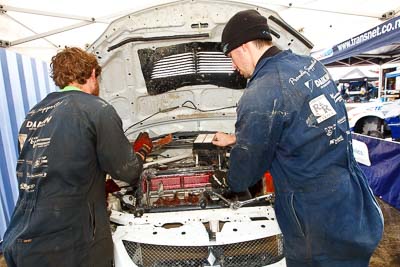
column 384, row 34
column 383, row 172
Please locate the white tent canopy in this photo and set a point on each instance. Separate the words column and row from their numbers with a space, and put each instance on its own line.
column 38, row 28
column 359, row 75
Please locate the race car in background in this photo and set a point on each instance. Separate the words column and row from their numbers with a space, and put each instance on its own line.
column 377, row 119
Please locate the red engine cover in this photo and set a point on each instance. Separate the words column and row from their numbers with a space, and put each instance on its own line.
column 181, row 181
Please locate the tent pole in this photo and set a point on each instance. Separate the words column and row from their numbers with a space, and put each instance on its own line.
column 26, row 27
column 45, row 34
column 6, row 8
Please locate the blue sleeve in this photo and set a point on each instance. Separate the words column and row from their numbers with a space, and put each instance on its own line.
column 258, row 129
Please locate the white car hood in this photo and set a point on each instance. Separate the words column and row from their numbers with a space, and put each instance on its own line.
column 195, row 104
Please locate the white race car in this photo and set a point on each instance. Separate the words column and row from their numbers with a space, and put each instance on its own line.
column 164, row 72
column 378, row 119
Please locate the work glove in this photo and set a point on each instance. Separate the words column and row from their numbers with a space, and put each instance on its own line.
column 111, row 186
column 143, row 145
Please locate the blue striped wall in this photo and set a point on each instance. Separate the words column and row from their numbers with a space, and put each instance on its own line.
column 24, row 81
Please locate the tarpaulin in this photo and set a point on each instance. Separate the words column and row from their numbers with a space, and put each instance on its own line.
column 385, row 34
column 383, row 174
column 24, row 81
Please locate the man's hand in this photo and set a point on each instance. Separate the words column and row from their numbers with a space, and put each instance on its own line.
column 143, row 145
column 223, row 139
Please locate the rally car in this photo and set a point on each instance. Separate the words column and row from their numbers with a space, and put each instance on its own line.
column 165, row 74
column 378, row 119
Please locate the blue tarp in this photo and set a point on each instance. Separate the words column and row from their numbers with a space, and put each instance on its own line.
column 392, row 74
column 24, row 81
column 384, row 173
column 385, row 34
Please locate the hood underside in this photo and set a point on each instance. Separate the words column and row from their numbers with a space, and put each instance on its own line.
column 163, row 69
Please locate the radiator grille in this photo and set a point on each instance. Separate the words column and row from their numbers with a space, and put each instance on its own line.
column 253, row 253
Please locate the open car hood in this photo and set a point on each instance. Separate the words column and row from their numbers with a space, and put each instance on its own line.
column 163, row 69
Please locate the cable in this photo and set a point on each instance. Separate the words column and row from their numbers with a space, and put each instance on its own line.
column 176, row 107
column 152, row 115
column 203, row 110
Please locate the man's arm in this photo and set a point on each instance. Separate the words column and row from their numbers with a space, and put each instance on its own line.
column 258, row 128
column 114, row 151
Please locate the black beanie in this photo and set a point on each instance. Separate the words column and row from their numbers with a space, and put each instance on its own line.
column 243, row 27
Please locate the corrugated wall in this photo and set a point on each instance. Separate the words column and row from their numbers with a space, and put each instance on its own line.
column 24, row 82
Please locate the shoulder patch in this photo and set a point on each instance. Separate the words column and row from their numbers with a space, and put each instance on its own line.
column 321, row 108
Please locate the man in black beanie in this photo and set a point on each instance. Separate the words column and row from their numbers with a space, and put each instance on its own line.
column 292, row 121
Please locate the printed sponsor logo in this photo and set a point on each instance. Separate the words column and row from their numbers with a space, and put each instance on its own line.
column 33, row 125
column 337, row 97
column 321, row 108
column 305, row 71
column 375, row 32
column 44, row 109
column 310, row 85
column 39, row 142
column 321, row 82
column 37, row 175
column 336, row 140
column 225, row 48
column 330, row 129
column 40, row 162
column 27, row 187
column 342, row 120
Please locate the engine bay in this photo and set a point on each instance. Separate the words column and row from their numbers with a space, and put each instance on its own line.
column 185, row 171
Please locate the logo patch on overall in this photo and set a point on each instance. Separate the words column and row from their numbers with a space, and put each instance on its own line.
column 321, row 108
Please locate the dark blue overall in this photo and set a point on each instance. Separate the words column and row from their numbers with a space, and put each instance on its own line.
column 68, row 142
column 293, row 122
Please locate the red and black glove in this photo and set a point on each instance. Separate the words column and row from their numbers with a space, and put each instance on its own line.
column 143, row 145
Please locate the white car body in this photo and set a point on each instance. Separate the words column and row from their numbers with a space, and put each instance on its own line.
column 221, row 236
column 364, row 117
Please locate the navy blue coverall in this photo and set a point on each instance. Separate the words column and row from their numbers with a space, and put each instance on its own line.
column 293, row 122
column 68, row 142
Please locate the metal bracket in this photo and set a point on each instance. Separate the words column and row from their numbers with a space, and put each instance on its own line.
column 5, row 43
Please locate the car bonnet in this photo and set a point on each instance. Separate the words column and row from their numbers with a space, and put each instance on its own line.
column 163, row 69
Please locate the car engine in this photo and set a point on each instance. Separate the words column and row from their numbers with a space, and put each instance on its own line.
column 184, row 172
column 183, row 214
